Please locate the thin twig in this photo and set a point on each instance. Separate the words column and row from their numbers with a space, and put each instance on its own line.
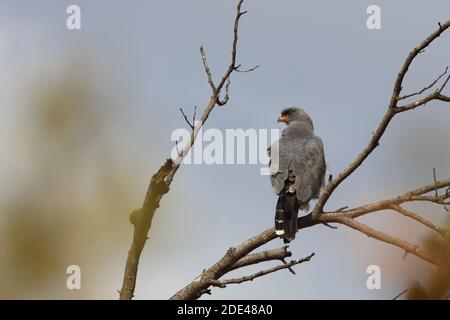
column 342, row 209
column 425, row 88
column 187, row 120
column 390, row 113
column 162, row 179
column 180, row 153
column 436, row 194
column 444, row 84
column 226, row 97
column 196, row 288
column 415, row 216
column 400, row 294
column 207, row 70
column 223, row 283
column 255, row 258
column 329, row 226
column 237, row 69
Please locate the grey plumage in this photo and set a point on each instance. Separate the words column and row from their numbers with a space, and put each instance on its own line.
column 297, row 168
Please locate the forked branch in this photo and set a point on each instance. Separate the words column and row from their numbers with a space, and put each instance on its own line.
column 237, row 257
column 162, row 179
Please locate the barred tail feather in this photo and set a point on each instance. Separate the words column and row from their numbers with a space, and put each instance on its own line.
column 286, row 216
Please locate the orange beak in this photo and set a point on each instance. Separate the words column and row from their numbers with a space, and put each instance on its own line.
column 282, row 118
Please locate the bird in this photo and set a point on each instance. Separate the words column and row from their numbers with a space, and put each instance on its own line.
column 297, row 169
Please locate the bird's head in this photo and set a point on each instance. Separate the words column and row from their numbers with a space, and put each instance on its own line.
column 294, row 114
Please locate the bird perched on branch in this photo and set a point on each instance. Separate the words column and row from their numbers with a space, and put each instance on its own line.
column 297, row 170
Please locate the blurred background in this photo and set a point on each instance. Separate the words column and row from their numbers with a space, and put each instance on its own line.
column 86, row 117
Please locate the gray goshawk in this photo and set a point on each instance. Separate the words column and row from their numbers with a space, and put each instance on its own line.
column 297, row 169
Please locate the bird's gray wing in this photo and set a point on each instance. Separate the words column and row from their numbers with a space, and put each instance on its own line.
column 278, row 174
column 309, row 169
column 300, row 152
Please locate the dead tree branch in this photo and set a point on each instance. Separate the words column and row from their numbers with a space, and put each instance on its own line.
column 418, row 218
column 237, row 257
column 268, row 255
column 225, row 282
column 162, row 179
column 392, row 110
column 425, row 88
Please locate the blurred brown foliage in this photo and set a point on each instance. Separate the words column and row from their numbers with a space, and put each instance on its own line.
column 77, row 189
column 437, row 286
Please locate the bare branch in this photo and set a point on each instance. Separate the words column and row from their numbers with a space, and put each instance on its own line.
column 187, row 120
column 436, row 95
column 409, row 59
column 208, row 72
column 400, row 294
column 223, row 283
column 232, row 65
column 226, row 97
column 241, row 255
column 341, row 209
column 435, row 182
column 425, row 88
column 428, row 188
column 444, row 84
column 142, row 221
column 414, row 195
column 196, row 288
column 329, row 225
column 179, row 153
column 162, row 179
column 343, row 216
column 194, row 115
column 255, row 258
column 390, row 113
column 406, row 246
column 415, row 216
column 237, row 69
